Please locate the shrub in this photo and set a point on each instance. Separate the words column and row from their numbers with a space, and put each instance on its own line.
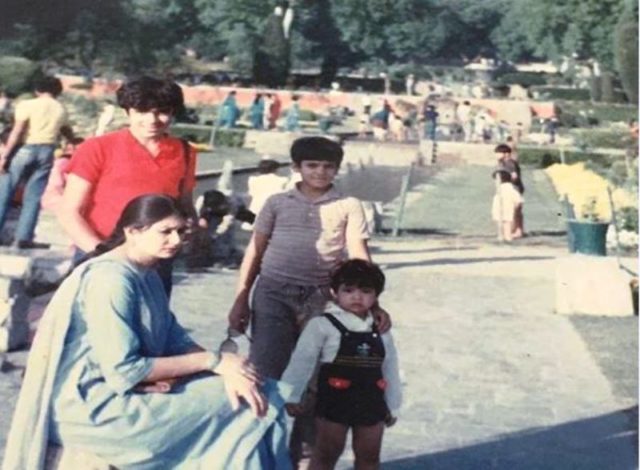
column 18, row 75
column 629, row 219
column 600, row 112
column 553, row 93
column 525, row 79
column 199, row 135
column 543, row 157
column 307, row 115
column 626, row 52
column 607, row 87
column 595, row 88
column 229, row 138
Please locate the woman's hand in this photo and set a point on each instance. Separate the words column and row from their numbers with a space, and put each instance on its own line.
column 241, row 381
column 382, row 318
column 161, row 386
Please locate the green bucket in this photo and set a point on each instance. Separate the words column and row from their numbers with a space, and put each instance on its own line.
column 589, row 238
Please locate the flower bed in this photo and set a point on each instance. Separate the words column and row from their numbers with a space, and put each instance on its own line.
column 587, row 193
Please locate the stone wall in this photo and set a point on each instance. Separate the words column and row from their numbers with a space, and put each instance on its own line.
column 14, row 303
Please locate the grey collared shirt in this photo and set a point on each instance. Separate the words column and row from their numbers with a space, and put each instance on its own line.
column 307, row 238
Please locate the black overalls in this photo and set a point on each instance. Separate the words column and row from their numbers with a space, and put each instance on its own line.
column 351, row 388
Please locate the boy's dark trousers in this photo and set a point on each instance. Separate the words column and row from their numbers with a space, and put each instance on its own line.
column 280, row 311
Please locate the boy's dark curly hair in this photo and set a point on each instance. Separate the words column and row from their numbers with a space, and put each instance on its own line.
column 147, row 93
column 358, row 273
column 48, row 84
column 316, row 148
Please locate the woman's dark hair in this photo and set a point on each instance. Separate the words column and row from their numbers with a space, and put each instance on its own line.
column 51, row 85
column 147, row 93
column 139, row 213
column 267, row 166
column 358, row 273
column 316, row 148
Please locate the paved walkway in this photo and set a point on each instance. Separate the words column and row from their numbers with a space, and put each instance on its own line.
column 493, row 379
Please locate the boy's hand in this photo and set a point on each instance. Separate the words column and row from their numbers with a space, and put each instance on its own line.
column 390, row 420
column 294, row 409
column 382, row 318
column 240, row 314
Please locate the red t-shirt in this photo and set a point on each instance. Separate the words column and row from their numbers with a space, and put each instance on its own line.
column 120, row 169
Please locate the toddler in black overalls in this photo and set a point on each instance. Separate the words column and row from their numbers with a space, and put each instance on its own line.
column 358, row 381
column 351, row 388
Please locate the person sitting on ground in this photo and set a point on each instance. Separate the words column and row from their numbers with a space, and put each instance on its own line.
column 506, row 161
column 506, row 201
column 38, row 123
column 358, row 382
column 218, row 213
column 145, row 395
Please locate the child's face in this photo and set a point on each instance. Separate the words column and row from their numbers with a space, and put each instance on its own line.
column 358, row 300
column 317, row 174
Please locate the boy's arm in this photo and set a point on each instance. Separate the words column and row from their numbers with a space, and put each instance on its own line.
column 12, row 142
column 240, row 312
column 358, row 248
column 70, row 213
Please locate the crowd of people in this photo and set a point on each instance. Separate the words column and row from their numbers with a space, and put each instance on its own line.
column 263, row 113
column 146, row 395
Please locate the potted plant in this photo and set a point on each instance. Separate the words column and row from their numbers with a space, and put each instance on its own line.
column 588, row 234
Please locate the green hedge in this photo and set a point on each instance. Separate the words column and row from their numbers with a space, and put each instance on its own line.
column 199, row 135
column 574, row 114
column 552, row 93
column 544, row 157
column 603, row 138
column 525, row 79
column 229, row 138
column 18, row 75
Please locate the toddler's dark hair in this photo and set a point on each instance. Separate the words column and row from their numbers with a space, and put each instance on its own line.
column 316, row 148
column 502, row 148
column 358, row 273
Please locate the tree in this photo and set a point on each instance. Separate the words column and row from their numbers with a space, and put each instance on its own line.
column 626, row 50
column 554, row 28
column 317, row 38
column 273, row 57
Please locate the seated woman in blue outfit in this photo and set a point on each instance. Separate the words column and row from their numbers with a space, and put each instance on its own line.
column 112, row 373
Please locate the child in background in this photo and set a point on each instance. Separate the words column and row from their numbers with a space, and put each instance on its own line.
column 217, row 213
column 358, row 382
column 506, row 202
column 57, row 178
column 262, row 186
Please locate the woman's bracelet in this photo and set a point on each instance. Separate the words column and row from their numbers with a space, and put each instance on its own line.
column 213, row 361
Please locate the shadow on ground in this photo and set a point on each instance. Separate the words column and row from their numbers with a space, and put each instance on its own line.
column 454, row 261
column 602, row 442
